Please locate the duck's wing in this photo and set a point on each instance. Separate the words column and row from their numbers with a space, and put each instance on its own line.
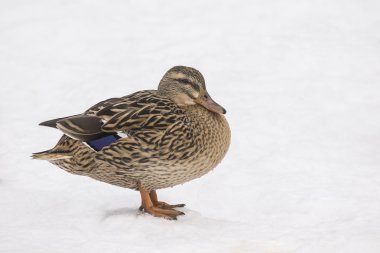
column 141, row 111
column 90, row 112
column 157, row 129
column 81, row 127
column 99, row 106
column 53, row 122
column 85, row 126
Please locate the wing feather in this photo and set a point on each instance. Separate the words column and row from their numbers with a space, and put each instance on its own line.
column 141, row 111
column 143, row 114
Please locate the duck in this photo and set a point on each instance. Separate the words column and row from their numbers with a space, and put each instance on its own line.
column 146, row 141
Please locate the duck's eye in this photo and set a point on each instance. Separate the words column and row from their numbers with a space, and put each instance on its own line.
column 205, row 96
column 183, row 80
column 188, row 82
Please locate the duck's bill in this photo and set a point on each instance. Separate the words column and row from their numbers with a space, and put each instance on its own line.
column 210, row 104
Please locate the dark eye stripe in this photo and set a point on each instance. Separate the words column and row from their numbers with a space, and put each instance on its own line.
column 187, row 81
column 183, row 80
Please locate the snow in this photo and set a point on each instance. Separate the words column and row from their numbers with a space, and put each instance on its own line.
column 301, row 84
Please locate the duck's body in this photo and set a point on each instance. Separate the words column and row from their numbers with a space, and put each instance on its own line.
column 167, row 143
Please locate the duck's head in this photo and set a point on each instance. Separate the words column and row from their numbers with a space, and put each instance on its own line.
column 186, row 86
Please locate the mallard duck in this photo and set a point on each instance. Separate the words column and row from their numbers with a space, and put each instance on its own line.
column 146, row 141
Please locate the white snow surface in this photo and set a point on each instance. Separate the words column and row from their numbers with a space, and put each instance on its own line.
column 301, row 84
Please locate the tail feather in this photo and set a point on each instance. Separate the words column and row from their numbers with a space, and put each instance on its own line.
column 51, row 155
column 53, row 122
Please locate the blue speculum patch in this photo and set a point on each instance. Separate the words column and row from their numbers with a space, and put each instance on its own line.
column 99, row 143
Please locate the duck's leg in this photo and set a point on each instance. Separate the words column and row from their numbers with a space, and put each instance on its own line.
column 161, row 204
column 147, row 206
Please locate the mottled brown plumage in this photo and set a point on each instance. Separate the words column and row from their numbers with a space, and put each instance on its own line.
column 173, row 135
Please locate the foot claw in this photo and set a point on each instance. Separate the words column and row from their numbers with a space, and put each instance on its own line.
column 164, row 205
column 169, row 214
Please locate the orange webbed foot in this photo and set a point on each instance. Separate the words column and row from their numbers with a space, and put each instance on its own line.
column 151, row 205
